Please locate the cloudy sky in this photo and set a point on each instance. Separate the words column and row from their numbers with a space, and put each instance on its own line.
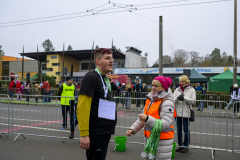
column 187, row 24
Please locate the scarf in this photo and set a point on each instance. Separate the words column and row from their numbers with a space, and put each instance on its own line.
column 183, row 88
column 153, row 140
column 153, row 96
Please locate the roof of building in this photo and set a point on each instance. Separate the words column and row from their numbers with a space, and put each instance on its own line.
column 9, row 58
column 77, row 54
column 164, row 65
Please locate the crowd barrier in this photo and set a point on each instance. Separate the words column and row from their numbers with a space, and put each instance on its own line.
column 4, row 114
column 214, row 128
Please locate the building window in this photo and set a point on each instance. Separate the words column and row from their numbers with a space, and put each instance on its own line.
column 53, row 57
column 44, row 67
column 5, row 66
column 49, row 69
column 55, row 78
column 47, row 61
column 55, row 64
column 57, row 73
column 85, row 66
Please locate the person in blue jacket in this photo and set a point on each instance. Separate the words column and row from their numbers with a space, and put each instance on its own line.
column 199, row 88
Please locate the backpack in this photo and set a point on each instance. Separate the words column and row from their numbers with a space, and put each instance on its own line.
column 14, row 85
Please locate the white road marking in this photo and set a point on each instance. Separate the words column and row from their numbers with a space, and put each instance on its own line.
column 228, row 124
column 17, row 119
column 23, row 110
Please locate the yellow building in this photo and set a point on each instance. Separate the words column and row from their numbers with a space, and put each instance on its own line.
column 55, row 65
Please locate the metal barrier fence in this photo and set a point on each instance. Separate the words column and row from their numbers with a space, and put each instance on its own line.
column 4, row 114
column 213, row 129
column 41, row 119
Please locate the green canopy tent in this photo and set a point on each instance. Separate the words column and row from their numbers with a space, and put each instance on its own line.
column 34, row 78
column 195, row 77
column 222, row 82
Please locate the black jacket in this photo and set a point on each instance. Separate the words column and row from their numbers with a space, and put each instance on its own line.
column 137, row 88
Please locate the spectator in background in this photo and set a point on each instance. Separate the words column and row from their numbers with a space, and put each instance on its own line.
column 199, row 88
column 37, row 91
column 138, row 89
column 18, row 90
column 28, row 75
column 183, row 94
column 177, row 85
column 128, row 95
column 202, row 96
column 12, row 75
column 27, row 89
column 123, row 93
column 46, row 89
column 235, row 95
column 12, row 85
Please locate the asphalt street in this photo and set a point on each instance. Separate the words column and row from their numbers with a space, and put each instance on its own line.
column 41, row 124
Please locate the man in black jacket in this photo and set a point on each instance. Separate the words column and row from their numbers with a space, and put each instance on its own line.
column 138, row 89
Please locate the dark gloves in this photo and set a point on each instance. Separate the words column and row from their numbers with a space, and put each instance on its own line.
column 180, row 97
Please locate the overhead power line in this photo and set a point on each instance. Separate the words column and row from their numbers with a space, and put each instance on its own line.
column 53, row 16
column 98, row 12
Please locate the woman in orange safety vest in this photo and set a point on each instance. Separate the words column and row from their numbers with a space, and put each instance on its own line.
column 159, row 105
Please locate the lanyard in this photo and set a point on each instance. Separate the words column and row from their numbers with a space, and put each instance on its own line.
column 104, row 87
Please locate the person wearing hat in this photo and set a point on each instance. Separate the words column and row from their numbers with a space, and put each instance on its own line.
column 235, row 96
column 199, row 88
column 95, row 100
column 67, row 89
column 185, row 94
column 159, row 106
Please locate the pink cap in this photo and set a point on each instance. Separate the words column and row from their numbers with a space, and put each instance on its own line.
column 165, row 81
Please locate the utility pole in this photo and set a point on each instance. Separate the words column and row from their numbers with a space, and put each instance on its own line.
column 22, row 63
column 63, row 73
column 160, row 47
column 90, row 67
column 235, row 44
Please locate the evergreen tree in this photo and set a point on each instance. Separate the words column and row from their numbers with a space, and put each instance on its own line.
column 70, row 48
column 48, row 46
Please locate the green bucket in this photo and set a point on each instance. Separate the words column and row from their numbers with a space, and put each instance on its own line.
column 120, row 143
column 173, row 150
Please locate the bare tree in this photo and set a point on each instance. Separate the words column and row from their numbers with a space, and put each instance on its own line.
column 167, row 59
column 180, row 58
column 207, row 61
column 194, row 60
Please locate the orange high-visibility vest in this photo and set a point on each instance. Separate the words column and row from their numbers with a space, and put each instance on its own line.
column 154, row 112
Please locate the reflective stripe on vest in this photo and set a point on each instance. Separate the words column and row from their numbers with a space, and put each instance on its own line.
column 153, row 111
column 67, row 91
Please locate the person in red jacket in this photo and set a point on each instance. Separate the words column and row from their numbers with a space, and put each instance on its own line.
column 18, row 86
column 11, row 87
column 12, row 75
column 46, row 88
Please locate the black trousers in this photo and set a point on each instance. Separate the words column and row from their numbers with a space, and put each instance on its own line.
column 138, row 95
column 236, row 108
column 65, row 110
column 98, row 146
